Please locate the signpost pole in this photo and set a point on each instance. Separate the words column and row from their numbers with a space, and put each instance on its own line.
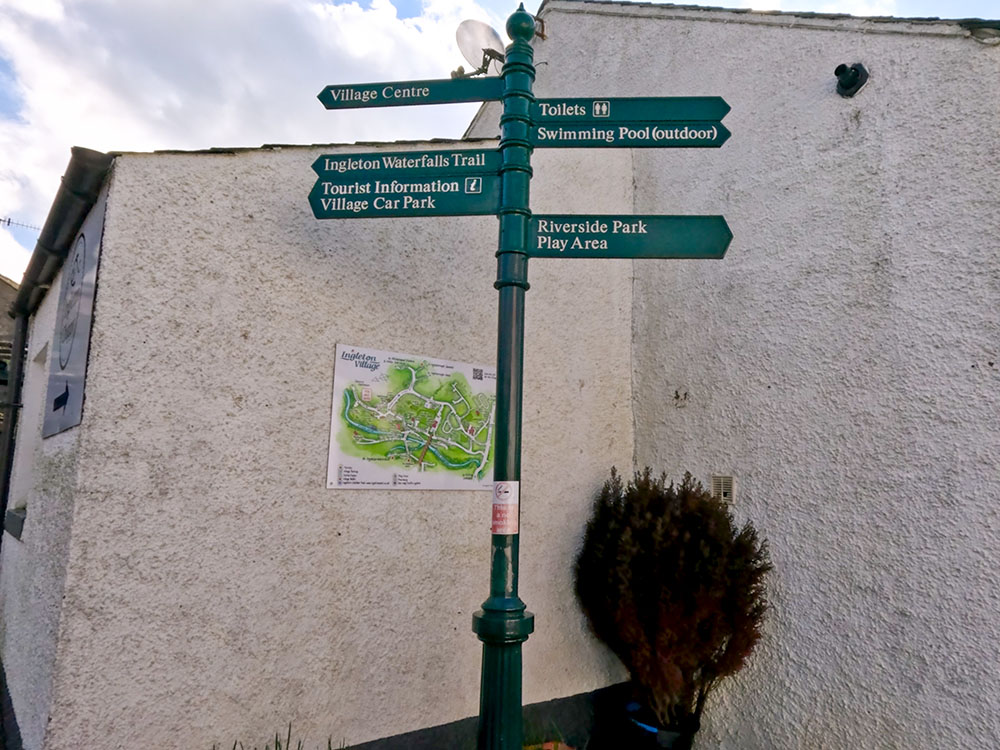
column 503, row 624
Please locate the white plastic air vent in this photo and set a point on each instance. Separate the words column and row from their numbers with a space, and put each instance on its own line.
column 722, row 487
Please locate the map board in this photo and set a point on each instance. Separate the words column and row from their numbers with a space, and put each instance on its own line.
column 408, row 422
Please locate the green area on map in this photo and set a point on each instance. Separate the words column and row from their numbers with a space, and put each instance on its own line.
column 418, row 421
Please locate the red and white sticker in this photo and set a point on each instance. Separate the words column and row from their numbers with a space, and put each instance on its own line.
column 506, row 496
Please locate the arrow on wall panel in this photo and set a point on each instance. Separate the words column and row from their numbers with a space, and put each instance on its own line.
column 61, row 400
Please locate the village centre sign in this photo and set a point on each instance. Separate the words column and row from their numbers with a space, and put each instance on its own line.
column 479, row 182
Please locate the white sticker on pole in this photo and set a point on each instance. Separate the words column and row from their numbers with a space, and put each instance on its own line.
column 506, row 496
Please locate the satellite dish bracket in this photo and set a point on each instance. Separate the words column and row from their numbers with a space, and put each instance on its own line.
column 489, row 56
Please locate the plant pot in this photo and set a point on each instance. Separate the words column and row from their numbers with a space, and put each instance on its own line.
column 622, row 723
column 643, row 732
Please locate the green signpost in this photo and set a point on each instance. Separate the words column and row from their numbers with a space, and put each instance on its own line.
column 432, row 183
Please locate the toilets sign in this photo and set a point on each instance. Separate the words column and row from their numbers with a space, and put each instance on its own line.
column 630, row 110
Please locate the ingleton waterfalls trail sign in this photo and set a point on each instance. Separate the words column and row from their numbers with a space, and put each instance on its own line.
column 470, row 182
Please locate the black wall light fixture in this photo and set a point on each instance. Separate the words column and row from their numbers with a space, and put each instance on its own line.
column 850, row 79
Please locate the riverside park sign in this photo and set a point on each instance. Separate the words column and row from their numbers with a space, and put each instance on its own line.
column 460, row 182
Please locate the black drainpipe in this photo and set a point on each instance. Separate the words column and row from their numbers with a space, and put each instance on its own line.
column 10, row 406
column 77, row 194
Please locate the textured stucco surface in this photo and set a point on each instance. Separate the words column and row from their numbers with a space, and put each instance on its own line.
column 43, row 481
column 217, row 590
column 842, row 362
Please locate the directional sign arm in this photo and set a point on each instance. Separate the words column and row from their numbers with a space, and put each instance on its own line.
column 372, row 198
column 634, row 109
column 627, row 236
column 594, row 134
column 348, row 166
column 402, row 93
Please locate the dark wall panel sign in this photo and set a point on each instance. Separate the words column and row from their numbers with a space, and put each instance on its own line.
column 629, row 135
column 70, row 343
column 628, row 236
column 400, row 93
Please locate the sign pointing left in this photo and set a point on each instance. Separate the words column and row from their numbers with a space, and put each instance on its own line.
column 402, row 93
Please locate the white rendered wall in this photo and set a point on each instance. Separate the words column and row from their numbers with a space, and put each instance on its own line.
column 842, row 362
column 217, row 589
column 33, row 568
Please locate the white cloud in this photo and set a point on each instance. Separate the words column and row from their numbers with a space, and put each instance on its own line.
column 126, row 75
column 13, row 258
column 49, row 9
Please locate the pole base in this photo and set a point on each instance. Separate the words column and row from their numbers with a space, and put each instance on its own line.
column 502, row 624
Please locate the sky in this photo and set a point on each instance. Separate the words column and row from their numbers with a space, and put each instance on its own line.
column 140, row 75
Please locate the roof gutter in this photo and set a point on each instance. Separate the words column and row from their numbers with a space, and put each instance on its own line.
column 77, row 194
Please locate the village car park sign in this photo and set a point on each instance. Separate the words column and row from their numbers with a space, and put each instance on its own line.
column 469, row 182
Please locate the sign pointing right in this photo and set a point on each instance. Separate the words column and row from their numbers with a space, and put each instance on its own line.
column 628, row 236
column 629, row 110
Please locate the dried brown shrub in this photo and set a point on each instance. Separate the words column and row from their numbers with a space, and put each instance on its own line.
column 673, row 587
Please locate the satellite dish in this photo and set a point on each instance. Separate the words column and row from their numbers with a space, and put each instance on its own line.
column 481, row 46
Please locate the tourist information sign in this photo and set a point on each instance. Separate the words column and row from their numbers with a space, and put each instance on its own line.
column 628, row 236
column 376, row 197
column 503, row 623
column 401, row 93
column 411, row 183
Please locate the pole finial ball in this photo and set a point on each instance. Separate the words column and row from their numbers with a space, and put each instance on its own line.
column 521, row 25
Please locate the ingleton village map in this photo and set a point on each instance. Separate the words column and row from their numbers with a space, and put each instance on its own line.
column 404, row 421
